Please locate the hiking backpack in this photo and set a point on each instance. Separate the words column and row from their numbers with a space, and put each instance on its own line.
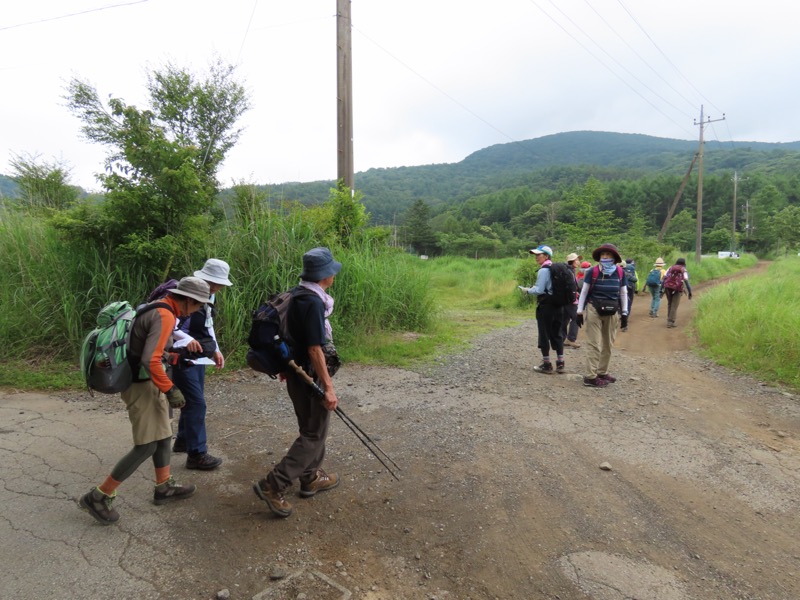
column 162, row 290
column 630, row 273
column 565, row 287
column 269, row 340
column 673, row 280
column 653, row 278
column 105, row 357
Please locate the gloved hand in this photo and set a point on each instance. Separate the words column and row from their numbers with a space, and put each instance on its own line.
column 579, row 319
column 175, row 398
column 624, row 322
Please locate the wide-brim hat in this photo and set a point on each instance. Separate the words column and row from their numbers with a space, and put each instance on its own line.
column 194, row 288
column 318, row 264
column 542, row 250
column 215, row 271
column 572, row 257
column 607, row 248
column 659, row 262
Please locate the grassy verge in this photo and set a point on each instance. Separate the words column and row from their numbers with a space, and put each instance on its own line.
column 752, row 324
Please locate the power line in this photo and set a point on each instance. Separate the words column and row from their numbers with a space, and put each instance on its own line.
column 75, row 14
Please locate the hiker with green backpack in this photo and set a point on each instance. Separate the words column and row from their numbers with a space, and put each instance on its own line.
column 149, row 399
column 653, row 285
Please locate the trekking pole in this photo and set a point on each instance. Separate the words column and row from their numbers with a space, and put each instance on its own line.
column 346, row 420
column 362, row 432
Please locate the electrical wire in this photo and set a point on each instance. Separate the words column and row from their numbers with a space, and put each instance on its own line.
column 75, row 14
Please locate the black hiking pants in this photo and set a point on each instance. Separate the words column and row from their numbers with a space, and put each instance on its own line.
column 549, row 321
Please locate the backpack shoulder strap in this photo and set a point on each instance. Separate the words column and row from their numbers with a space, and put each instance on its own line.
column 153, row 306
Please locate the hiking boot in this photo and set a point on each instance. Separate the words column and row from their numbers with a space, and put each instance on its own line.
column 560, row 367
column 546, row 368
column 671, row 324
column 275, row 500
column 203, row 462
column 594, row 382
column 179, row 447
column 321, row 482
column 171, row 490
column 607, row 378
column 572, row 344
column 97, row 504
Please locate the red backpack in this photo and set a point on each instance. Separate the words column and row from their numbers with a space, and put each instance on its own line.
column 673, row 280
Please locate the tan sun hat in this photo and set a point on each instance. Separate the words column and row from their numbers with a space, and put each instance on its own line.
column 572, row 257
column 659, row 262
column 194, row 288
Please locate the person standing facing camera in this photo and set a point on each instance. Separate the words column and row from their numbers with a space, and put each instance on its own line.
column 603, row 296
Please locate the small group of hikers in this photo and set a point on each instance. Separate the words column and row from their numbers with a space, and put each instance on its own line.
column 603, row 296
column 164, row 379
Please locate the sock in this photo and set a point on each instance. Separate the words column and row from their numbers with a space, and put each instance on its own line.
column 109, row 486
column 560, row 358
column 546, row 360
column 162, row 475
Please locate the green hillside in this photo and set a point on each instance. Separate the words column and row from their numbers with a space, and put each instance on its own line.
column 545, row 163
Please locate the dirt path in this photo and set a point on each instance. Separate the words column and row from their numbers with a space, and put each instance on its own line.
column 502, row 493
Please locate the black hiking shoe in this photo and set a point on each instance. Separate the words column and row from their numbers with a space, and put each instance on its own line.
column 170, row 491
column 607, row 378
column 560, row 367
column 97, row 504
column 545, row 368
column 179, row 447
column 275, row 500
column 203, row 462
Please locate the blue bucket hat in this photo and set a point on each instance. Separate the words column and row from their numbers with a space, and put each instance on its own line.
column 318, row 264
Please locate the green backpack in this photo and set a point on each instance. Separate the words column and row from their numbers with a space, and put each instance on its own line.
column 105, row 358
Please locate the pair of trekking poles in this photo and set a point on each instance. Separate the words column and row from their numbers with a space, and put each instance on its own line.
column 368, row 442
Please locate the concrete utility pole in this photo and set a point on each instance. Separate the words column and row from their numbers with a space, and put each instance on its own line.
column 344, row 99
column 699, row 235
column 736, row 180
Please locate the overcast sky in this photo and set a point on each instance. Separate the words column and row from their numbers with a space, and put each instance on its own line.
column 434, row 80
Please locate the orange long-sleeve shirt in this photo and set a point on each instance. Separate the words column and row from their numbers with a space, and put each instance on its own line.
column 150, row 337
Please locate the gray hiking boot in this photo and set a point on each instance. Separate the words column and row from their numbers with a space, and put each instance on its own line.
column 170, row 491
column 97, row 504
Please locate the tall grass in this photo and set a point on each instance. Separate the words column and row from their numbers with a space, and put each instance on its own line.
column 752, row 324
column 51, row 291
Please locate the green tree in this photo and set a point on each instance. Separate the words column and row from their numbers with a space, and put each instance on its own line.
column 347, row 213
column 160, row 173
column 43, row 184
column 418, row 232
column 590, row 225
column 786, row 225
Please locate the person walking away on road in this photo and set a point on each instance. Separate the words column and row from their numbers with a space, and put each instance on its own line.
column 633, row 282
column 604, row 295
column 569, row 330
column 653, row 285
column 148, row 401
column 198, row 330
column 309, row 327
column 674, row 285
column 549, row 316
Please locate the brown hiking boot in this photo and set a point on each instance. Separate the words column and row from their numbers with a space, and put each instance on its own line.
column 275, row 500
column 321, row 482
column 571, row 344
column 97, row 504
column 170, row 490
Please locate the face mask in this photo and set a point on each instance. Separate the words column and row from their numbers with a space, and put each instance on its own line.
column 608, row 265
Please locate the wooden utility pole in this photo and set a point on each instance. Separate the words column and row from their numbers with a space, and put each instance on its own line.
column 344, row 96
column 699, row 234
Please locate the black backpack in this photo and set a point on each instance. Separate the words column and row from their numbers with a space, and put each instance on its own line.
column 270, row 340
column 565, row 287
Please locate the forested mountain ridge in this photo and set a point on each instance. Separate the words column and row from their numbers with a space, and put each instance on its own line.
column 545, row 163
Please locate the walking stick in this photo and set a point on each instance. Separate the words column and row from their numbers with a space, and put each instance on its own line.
column 347, row 420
